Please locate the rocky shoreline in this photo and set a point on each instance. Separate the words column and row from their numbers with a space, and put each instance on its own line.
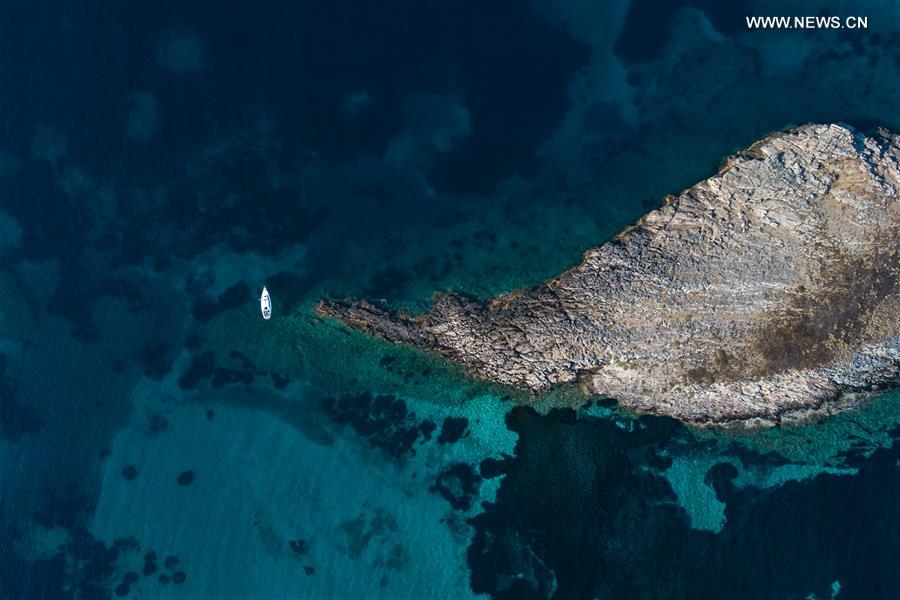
column 766, row 292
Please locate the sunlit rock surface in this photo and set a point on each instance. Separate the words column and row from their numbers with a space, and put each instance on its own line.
column 766, row 292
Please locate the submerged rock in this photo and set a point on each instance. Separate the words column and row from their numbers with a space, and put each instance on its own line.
column 765, row 292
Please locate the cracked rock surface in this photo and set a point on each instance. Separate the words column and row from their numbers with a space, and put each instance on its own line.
column 768, row 291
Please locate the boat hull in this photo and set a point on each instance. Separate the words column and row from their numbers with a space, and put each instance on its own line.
column 265, row 304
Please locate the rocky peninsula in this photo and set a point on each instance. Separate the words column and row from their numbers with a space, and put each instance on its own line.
column 766, row 292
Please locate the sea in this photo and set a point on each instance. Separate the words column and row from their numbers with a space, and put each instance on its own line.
column 161, row 162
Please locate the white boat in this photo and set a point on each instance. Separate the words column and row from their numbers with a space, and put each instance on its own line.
column 265, row 303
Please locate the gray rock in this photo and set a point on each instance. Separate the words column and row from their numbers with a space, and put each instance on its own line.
column 767, row 292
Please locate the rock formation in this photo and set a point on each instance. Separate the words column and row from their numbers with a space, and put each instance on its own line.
column 767, row 291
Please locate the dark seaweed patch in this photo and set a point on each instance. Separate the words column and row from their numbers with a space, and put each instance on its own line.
column 193, row 341
column 492, row 467
column 389, row 283
column 156, row 359
column 592, row 518
column 648, row 24
column 233, row 297
column 53, row 226
column 427, row 427
column 184, row 478
column 122, row 289
column 571, row 516
column 222, row 376
column 17, row 419
column 201, row 367
column 205, row 366
column 458, row 485
column 129, row 473
column 150, row 566
column 156, row 423
column 452, row 429
column 299, row 547
column 383, row 420
column 363, row 529
column 280, row 381
column 83, row 567
column 242, row 359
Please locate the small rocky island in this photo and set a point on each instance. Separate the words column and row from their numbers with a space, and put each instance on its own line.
column 767, row 292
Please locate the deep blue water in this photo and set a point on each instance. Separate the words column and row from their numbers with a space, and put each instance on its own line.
column 161, row 162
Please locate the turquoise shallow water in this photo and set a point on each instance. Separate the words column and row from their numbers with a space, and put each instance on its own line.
column 160, row 164
column 368, row 524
